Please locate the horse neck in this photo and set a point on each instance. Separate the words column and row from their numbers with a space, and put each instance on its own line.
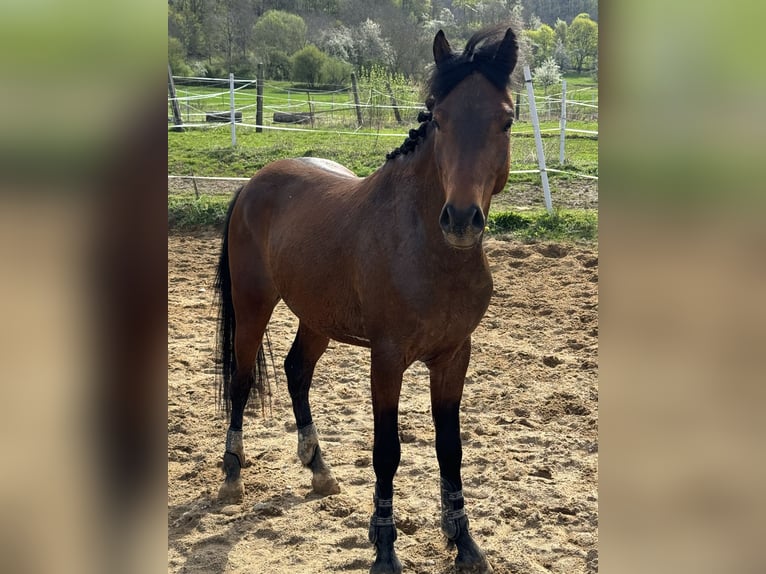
column 414, row 180
column 412, row 183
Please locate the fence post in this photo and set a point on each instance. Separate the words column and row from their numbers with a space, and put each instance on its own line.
column 397, row 115
column 177, row 121
column 259, row 100
column 355, row 89
column 563, row 120
column 233, row 111
column 518, row 104
column 538, row 138
column 311, row 110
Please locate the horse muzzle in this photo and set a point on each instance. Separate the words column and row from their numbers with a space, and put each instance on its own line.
column 462, row 228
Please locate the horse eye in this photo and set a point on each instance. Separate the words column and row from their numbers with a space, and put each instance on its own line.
column 508, row 125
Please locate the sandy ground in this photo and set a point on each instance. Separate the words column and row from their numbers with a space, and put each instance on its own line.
column 529, row 427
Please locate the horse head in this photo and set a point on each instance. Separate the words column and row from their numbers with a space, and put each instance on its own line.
column 472, row 112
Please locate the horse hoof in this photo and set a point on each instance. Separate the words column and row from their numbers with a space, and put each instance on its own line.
column 324, row 484
column 231, row 491
column 391, row 566
column 479, row 567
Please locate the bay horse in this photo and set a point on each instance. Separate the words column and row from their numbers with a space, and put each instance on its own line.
column 393, row 262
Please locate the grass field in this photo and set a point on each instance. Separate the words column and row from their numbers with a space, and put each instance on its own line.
column 208, row 152
column 336, row 108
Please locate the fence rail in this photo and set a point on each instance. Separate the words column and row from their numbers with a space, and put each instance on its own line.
column 338, row 109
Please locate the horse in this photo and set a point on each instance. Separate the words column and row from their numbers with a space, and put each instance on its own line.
column 393, row 262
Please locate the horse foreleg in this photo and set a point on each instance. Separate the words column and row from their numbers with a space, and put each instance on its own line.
column 447, row 379
column 386, row 378
column 307, row 348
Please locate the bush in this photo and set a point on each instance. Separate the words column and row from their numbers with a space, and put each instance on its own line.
column 277, row 65
column 243, row 69
column 307, row 65
column 177, row 57
column 217, row 70
column 336, row 72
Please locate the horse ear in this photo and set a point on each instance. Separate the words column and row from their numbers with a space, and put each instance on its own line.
column 442, row 49
column 508, row 52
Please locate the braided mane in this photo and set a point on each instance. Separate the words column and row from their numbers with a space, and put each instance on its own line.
column 479, row 55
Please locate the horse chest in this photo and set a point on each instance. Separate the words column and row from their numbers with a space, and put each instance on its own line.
column 434, row 305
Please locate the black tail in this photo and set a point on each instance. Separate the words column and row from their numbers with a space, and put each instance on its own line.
column 227, row 326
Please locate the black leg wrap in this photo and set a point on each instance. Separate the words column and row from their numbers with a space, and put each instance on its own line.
column 234, row 446
column 308, row 444
column 454, row 521
column 383, row 534
column 382, row 518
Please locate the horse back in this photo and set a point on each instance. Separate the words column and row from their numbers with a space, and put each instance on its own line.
column 292, row 222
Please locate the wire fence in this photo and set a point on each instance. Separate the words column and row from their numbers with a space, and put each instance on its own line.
column 207, row 102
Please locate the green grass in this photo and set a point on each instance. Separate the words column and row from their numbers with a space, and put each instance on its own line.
column 186, row 212
column 566, row 225
column 208, row 152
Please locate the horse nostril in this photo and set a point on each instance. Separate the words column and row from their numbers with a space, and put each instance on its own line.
column 478, row 220
column 445, row 219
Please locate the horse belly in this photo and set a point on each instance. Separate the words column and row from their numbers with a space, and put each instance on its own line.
column 318, row 290
column 330, row 313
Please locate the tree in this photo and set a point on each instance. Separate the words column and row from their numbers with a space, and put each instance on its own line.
column 561, row 31
column 582, row 41
column 560, row 55
column 307, row 65
column 177, row 57
column 444, row 20
column 235, row 24
column 491, row 11
column 338, row 42
column 549, row 10
column 547, row 74
column 543, row 43
column 370, row 47
column 280, row 31
column 411, row 48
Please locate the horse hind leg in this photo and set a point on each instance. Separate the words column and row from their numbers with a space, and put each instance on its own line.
column 306, row 350
column 249, row 373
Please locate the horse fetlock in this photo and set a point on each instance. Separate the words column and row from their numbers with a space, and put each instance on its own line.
column 231, row 465
column 454, row 527
column 454, row 521
column 235, row 445
column 381, row 530
column 308, row 444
